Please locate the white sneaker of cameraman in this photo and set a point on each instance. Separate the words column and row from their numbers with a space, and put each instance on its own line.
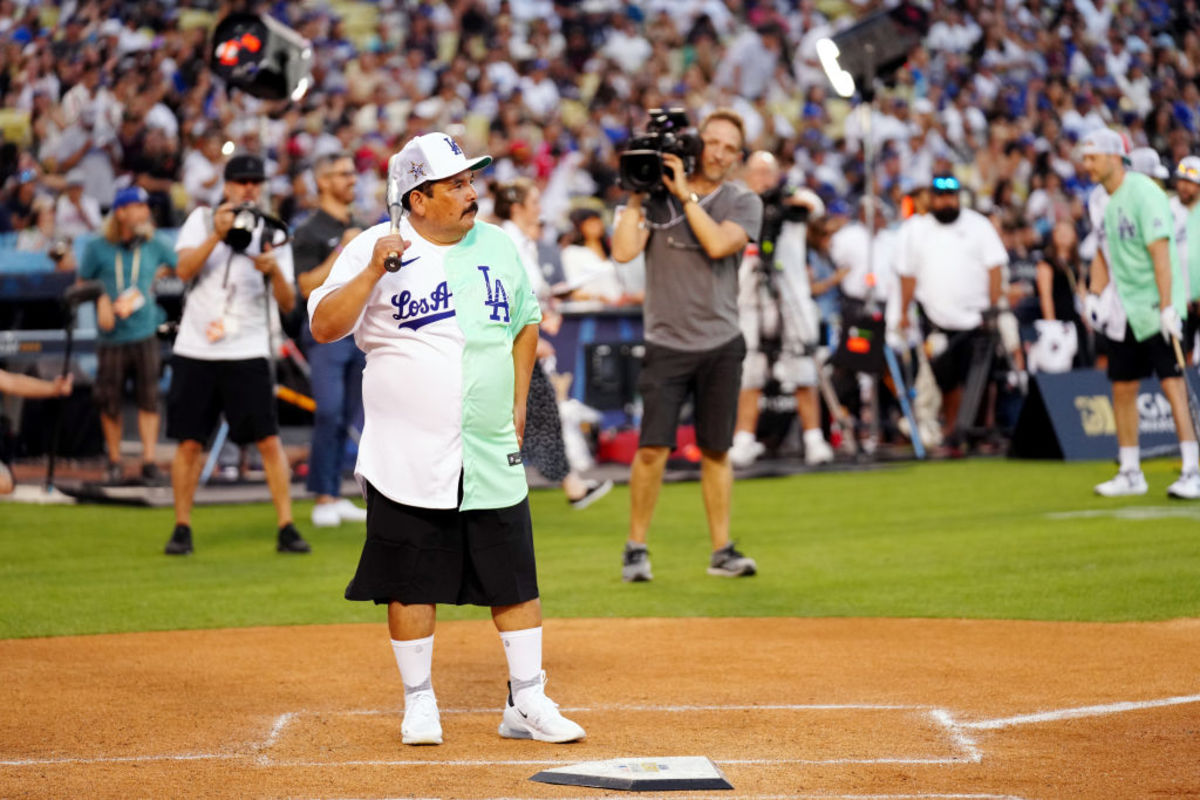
column 745, row 450
column 1187, row 487
column 1128, row 483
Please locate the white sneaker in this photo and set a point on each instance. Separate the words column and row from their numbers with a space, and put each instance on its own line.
column 745, row 450
column 1187, row 487
column 537, row 717
column 1128, row 483
column 350, row 512
column 422, row 722
column 817, row 450
column 325, row 515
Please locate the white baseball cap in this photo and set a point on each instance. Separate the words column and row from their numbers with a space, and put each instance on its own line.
column 431, row 157
column 1146, row 161
column 1188, row 169
column 1102, row 142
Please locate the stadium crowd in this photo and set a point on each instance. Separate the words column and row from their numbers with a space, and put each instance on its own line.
column 101, row 95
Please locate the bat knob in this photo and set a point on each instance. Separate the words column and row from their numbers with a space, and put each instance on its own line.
column 392, row 262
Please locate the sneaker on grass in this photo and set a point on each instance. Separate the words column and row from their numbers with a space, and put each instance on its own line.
column 729, row 563
column 290, row 541
column 1127, row 483
column 180, row 543
column 595, row 490
column 532, row 715
column 1187, row 487
column 635, row 567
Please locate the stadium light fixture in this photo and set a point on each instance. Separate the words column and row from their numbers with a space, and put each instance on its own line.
column 841, row 80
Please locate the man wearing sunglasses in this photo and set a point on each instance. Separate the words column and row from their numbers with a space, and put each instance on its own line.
column 954, row 271
column 1138, row 256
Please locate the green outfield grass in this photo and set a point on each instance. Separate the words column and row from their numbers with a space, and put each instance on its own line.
column 979, row 538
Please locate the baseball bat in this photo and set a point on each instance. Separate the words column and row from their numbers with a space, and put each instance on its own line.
column 395, row 211
column 1193, row 405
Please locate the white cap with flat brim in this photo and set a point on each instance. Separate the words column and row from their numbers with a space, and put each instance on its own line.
column 1146, row 161
column 430, row 157
column 1102, row 142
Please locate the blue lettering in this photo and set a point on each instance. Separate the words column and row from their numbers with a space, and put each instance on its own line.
column 409, row 309
column 497, row 296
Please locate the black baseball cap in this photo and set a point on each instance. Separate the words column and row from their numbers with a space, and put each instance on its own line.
column 245, row 168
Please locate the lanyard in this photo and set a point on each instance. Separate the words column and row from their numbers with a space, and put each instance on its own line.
column 133, row 272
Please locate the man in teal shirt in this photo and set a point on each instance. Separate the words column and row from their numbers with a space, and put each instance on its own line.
column 1143, row 264
column 126, row 259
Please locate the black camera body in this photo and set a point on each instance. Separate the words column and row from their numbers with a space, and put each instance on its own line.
column 641, row 167
column 246, row 219
column 775, row 213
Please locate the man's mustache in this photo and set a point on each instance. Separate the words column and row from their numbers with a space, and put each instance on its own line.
column 471, row 209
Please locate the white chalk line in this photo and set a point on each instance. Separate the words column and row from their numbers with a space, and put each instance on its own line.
column 954, row 729
column 1081, row 711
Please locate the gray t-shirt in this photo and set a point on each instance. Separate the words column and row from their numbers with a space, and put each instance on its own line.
column 691, row 299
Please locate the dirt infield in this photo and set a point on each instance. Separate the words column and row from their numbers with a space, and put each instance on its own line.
column 788, row 708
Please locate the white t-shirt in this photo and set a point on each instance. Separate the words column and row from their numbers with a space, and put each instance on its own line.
column 75, row 221
column 951, row 265
column 227, row 288
column 527, row 248
column 198, row 170
column 848, row 250
column 413, row 382
column 586, row 271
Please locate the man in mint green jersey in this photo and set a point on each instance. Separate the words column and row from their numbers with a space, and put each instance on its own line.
column 1186, row 207
column 450, row 339
column 1143, row 264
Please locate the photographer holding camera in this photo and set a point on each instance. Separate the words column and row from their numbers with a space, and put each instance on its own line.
column 693, row 226
column 780, row 321
column 222, row 354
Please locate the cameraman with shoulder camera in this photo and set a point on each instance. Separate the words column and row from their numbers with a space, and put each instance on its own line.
column 222, row 353
column 693, row 231
column 778, row 313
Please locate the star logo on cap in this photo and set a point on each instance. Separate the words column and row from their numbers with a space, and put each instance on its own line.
column 416, row 170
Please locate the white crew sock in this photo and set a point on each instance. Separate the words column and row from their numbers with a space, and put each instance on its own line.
column 1130, row 459
column 523, row 649
column 414, row 657
column 1191, row 456
column 744, row 438
column 814, row 435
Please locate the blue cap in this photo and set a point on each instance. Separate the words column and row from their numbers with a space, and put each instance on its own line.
column 128, row 196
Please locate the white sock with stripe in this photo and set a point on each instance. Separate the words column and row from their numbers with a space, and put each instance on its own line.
column 523, row 650
column 414, row 657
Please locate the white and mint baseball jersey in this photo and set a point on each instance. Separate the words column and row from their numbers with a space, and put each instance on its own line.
column 1137, row 214
column 439, row 383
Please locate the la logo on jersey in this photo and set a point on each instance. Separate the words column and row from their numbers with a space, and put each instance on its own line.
column 497, row 296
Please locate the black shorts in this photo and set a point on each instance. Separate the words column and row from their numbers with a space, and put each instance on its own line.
column 712, row 377
column 1131, row 360
column 116, row 363
column 442, row 555
column 201, row 391
column 951, row 368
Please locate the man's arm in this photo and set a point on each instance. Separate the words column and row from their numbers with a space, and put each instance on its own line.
column 1160, row 253
column 192, row 259
column 995, row 284
column 25, row 386
column 338, row 311
column 719, row 239
column 524, row 355
column 1097, row 273
column 311, row 279
column 908, row 287
column 629, row 234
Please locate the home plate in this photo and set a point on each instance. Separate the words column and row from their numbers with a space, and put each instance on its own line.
column 676, row 773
